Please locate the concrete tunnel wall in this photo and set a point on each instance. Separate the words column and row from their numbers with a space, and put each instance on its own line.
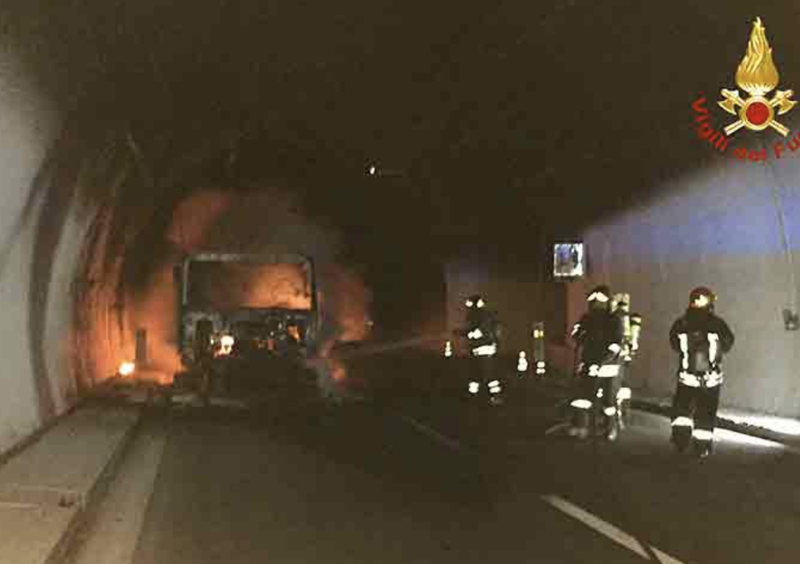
column 80, row 248
column 717, row 227
column 511, row 294
column 36, row 299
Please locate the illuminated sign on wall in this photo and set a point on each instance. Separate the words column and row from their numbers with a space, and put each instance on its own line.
column 568, row 260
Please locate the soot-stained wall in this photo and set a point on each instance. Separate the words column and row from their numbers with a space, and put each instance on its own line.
column 513, row 294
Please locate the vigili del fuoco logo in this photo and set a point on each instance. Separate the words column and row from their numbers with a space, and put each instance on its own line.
column 757, row 76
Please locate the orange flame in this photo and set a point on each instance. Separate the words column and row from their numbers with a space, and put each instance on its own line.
column 757, row 74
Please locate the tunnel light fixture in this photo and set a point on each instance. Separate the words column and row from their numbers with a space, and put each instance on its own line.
column 126, row 369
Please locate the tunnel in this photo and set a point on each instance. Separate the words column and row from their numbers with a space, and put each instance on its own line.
column 133, row 132
column 299, row 281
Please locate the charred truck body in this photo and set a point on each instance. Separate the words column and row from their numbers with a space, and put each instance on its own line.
column 245, row 316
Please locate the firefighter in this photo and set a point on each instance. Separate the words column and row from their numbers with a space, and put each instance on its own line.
column 701, row 338
column 630, row 325
column 598, row 334
column 482, row 333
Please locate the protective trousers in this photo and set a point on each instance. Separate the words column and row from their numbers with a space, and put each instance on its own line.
column 696, row 407
column 483, row 376
column 589, row 388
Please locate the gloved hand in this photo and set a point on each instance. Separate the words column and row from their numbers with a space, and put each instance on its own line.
column 612, row 353
column 594, row 370
column 712, row 379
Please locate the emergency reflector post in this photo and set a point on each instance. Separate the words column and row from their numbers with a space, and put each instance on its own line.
column 522, row 363
column 539, row 348
column 141, row 347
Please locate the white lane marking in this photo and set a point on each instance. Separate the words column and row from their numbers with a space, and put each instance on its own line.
column 555, row 428
column 114, row 531
column 16, row 505
column 607, row 529
column 432, row 433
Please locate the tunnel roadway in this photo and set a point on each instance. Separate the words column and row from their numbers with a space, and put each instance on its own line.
column 434, row 481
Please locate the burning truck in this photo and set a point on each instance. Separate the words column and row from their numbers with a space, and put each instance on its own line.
column 246, row 318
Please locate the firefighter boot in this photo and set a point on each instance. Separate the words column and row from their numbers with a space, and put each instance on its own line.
column 681, row 437
column 702, row 448
column 611, row 427
column 579, row 427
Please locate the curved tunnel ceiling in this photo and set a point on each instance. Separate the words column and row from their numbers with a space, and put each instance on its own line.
column 530, row 104
column 496, row 117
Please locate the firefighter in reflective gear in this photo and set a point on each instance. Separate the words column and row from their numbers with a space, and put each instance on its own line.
column 599, row 336
column 482, row 335
column 701, row 338
column 630, row 325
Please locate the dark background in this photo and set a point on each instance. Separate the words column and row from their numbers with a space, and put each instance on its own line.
column 496, row 128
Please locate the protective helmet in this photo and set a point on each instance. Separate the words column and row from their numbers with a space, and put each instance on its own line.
column 600, row 294
column 475, row 301
column 702, row 297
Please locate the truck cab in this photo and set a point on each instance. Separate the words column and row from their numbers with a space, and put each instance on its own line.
column 239, row 309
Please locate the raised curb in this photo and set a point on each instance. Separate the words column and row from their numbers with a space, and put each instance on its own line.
column 648, row 410
column 71, row 505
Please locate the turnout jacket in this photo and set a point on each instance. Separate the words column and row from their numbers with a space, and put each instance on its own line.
column 483, row 331
column 701, row 339
column 599, row 334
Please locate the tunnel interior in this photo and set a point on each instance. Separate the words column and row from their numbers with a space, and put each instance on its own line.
column 382, row 138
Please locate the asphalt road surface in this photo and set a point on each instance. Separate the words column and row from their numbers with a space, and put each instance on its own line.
column 434, row 480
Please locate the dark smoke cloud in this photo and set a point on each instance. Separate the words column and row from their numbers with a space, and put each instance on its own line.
column 213, row 220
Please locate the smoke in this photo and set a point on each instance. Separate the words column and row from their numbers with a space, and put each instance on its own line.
column 346, row 300
column 195, row 216
column 213, row 220
column 227, row 286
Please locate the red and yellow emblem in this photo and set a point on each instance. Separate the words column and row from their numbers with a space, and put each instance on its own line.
column 758, row 76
